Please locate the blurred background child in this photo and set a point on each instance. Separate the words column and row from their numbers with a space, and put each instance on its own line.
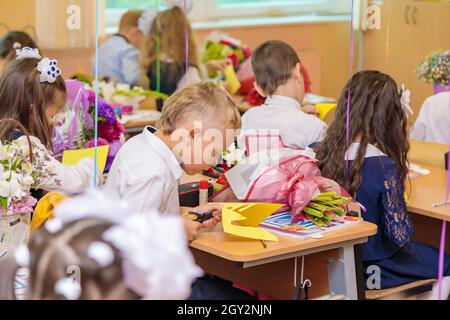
column 12, row 41
column 119, row 55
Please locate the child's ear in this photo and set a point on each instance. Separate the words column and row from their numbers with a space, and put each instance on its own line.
column 297, row 71
column 259, row 90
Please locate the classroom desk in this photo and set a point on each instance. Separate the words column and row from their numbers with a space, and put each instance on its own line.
column 426, row 190
column 228, row 256
column 423, row 191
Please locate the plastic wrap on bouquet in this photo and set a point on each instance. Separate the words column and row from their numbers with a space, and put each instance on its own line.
column 70, row 125
column 294, row 181
column 273, row 173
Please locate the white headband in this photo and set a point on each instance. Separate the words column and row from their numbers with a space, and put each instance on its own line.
column 146, row 19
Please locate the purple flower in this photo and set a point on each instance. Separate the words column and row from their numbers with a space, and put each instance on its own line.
column 106, row 111
column 23, row 207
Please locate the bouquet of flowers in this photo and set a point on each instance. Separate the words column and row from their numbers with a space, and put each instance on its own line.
column 19, row 173
column 74, row 129
column 24, row 165
column 435, row 68
column 220, row 46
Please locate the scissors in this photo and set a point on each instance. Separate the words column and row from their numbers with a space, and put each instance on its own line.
column 202, row 217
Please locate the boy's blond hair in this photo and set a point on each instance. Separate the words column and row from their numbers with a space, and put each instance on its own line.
column 204, row 101
column 130, row 20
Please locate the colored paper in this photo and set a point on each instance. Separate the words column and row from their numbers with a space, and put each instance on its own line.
column 244, row 219
column 232, row 79
column 72, row 157
column 325, row 108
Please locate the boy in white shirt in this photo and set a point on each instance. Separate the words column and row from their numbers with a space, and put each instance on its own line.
column 278, row 76
column 197, row 125
column 433, row 123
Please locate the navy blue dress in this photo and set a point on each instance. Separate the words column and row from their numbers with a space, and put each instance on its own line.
column 382, row 194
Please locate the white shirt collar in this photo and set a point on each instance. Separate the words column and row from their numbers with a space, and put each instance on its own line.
column 282, row 101
column 371, row 151
column 164, row 152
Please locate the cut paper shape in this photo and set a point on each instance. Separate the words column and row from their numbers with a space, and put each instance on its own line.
column 232, row 79
column 244, row 219
column 325, row 108
column 72, row 157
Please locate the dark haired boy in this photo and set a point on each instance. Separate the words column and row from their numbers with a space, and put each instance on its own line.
column 277, row 69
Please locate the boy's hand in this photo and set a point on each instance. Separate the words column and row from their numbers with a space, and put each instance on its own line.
column 310, row 109
column 217, row 208
column 191, row 228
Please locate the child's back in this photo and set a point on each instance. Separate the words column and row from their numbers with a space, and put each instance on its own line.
column 283, row 115
column 119, row 55
column 374, row 170
column 278, row 76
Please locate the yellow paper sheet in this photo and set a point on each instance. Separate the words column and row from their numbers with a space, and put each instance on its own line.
column 325, row 108
column 72, row 157
column 232, row 79
column 243, row 219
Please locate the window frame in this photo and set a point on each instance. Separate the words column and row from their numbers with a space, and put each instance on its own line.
column 273, row 8
column 214, row 11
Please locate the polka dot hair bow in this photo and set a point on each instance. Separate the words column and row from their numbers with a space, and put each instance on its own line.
column 49, row 70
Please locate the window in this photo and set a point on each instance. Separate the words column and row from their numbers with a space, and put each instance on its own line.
column 212, row 10
column 249, row 8
column 125, row 4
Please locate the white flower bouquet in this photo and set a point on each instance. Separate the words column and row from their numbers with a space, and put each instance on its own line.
column 23, row 167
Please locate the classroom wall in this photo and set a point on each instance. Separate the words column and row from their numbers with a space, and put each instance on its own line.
column 410, row 29
column 324, row 47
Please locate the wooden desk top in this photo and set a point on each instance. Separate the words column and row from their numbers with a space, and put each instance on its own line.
column 239, row 249
column 140, row 119
column 426, row 190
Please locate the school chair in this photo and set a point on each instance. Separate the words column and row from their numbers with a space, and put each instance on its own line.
column 427, row 153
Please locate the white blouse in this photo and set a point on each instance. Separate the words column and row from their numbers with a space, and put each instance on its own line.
column 433, row 123
column 66, row 179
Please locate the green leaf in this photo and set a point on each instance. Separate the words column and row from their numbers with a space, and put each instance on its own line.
column 4, row 203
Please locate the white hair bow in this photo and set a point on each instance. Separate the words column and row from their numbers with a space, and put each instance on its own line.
column 49, row 70
column 406, row 100
column 27, row 53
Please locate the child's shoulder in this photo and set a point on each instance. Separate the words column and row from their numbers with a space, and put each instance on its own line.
column 142, row 156
column 380, row 165
column 116, row 42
